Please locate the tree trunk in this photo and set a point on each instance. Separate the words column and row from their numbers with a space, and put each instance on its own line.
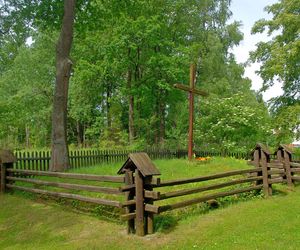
column 162, row 110
column 131, row 105
column 108, row 100
column 27, row 136
column 59, row 147
column 80, row 134
column 131, row 111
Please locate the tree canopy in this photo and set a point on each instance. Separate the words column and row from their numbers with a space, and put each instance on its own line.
column 126, row 57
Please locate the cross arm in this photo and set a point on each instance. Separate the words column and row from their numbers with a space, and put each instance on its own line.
column 186, row 88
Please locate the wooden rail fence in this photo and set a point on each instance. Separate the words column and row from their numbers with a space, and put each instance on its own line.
column 143, row 191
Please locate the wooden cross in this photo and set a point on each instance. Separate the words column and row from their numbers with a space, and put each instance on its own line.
column 192, row 91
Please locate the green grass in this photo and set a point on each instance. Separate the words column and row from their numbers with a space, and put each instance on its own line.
column 242, row 222
column 170, row 170
column 272, row 223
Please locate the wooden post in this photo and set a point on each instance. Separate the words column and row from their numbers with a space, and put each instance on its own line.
column 149, row 228
column 191, row 110
column 129, row 195
column 3, row 178
column 264, row 164
column 139, row 199
column 287, row 167
column 256, row 161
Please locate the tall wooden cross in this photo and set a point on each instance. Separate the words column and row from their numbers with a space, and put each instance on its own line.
column 192, row 91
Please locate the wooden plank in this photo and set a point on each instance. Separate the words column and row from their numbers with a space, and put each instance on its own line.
column 141, row 161
column 68, row 196
column 151, row 208
column 128, row 203
column 193, row 90
column 264, row 166
column 152, row 195
column 287, row 167
column 71, row 186
column 90, row 177
column 295, row 170
column 206, row 198
column 129, row 195
column 276, row 180
column 276, row 171
column 128, row 217
column 206, row 188
column 139, row 196
column 2, row 178
column 295, row 164
column 208, row 177
column 296, row 178
column 275, row 165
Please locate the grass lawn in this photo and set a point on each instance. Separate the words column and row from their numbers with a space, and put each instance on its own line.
column 251, row 223
column 272, row 223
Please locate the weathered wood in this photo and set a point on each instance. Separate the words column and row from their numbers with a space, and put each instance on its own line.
column 295, row 164
column 151, row 208
column 192, row 91
column 264, row 165
column 142, row 162
column 129, row 195
column 128, row 203
column 90, row 177
column 187, row 88
column 275, row 165
column 276, row 171
column 149, row 218
column 208, row 177
column 206, row 198
column 206, row 188
column 68, row 196
column 287, row 167
column 128, row 217
column 296, row 178
column 295, row 170
column 152, row 195
column 139, row 197
column 276, row 180
column 7, row 156
column 3, row 178
column 71, row 186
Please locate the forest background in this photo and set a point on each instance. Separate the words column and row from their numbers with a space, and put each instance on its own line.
column 126, row 57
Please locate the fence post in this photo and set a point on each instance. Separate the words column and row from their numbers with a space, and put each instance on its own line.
column 287, row 167
column 129, row 195
column 3, row 178
column 7, row 160
column 265, row 158
column 144, row 170
column 139, row 199
column 149, row 218
column 284, row 155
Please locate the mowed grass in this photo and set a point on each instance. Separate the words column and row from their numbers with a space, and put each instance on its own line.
column 254, row 223
column 272, row 223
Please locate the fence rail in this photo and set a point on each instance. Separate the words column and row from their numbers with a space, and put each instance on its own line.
column 14, row 179
column 138, row 186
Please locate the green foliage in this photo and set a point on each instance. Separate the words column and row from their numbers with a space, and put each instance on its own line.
column 280, row 56
column 136, row 49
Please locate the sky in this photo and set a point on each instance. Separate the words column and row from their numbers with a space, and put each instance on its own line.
column 248, row 12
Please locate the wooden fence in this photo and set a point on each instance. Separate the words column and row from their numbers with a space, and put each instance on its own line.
column 142, row 192
column 266, row 172
column 40, row 160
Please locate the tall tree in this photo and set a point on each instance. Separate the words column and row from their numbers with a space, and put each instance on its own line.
column 280, row 57
column 59, row 145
